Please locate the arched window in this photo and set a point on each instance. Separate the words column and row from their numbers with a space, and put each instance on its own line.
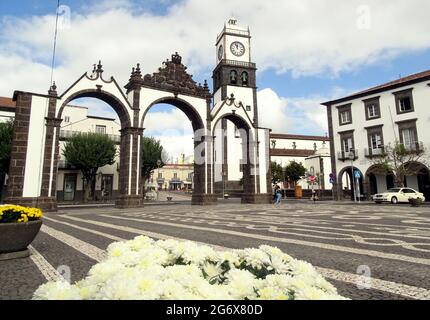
column 233, row 76
column 244, row 78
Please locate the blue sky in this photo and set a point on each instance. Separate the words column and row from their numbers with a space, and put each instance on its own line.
column 295, row 74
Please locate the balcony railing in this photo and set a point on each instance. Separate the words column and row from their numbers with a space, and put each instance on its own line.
column 350, row 155
column 238, row 63
column 67, row 134
column 64, row 164
column 372, row 153
column 414, row 147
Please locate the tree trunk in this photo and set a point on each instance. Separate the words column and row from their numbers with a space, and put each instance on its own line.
column 2, row 177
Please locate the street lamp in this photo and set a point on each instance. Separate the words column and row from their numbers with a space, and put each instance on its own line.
column 353, row 187
column 158, row 175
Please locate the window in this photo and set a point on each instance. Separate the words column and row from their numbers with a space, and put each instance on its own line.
column 408, row 137
column 233, row 77
column 101, row 129
column 244, row 78
column 372, row 108
column 175, row 176
column 408, row 133
column 375, row 140
column 67, row 119
column 345, row 115
column 160, row 175
column 347, row 142
column 347, row 145
column 404, row 101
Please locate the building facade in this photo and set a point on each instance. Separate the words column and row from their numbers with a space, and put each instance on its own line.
column 311, row 151
column 7, row 109
column 363, row 124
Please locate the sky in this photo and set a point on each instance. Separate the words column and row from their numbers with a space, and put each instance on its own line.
column 307, row 51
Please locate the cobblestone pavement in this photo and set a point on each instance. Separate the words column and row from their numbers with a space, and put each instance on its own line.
column 345, row 243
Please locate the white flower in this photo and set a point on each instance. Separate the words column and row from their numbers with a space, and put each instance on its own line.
column 60, row 290
column 147, row 270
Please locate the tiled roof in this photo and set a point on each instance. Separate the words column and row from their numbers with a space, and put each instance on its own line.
column 411, row 79
column 298, row 137
column 7, row 102
column 291, row 152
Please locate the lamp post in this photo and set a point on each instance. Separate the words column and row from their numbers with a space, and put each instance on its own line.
column 158, row 175
column 352, row 157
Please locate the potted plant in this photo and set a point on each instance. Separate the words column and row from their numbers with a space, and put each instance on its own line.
column 18, row 228
column 415, row 202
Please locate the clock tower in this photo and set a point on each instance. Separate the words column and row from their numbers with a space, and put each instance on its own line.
column 235, row 73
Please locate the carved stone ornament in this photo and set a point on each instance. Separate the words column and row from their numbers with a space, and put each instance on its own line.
column 173, row 77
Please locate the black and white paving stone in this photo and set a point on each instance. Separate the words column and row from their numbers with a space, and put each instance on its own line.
column 390, row 242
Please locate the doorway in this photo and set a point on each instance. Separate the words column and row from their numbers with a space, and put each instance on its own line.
column 69, row 187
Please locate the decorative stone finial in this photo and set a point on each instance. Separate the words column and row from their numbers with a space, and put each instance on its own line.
column 99, row 67
column 53, row 89
column 176, row 58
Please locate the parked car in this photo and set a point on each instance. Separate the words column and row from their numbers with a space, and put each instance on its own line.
column 398, row 195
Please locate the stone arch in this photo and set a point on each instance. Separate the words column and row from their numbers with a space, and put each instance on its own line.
column 377, row 180
column 107, row 97
column 419, row 178
column 191, row 113
column 249, row 155
column 201, row 192
column 351, row 183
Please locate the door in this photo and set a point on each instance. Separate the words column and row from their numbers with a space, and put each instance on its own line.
column 69, row 187
column 107, row 186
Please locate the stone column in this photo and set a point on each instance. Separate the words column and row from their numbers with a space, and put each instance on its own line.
column 130, row 193
column 202, row 194
column 19, row 148
column 48, row 192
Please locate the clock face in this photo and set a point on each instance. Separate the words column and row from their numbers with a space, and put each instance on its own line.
column 220, row 52
column 237, row 48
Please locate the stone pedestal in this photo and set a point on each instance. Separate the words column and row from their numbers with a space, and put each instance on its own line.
column 123, row 202
column 46, row 204
column 204, row 199
column 253, row 198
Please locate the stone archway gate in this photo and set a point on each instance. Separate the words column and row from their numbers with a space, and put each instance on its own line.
column 35, row 150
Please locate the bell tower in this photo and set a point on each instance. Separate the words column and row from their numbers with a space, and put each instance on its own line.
column 235, row 72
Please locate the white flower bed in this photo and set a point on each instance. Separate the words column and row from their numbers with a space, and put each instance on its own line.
column 145, row 269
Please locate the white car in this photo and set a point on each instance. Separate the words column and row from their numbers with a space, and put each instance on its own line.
column 398, row 195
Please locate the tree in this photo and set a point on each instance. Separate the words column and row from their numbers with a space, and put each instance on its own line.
column 6, row 137
column 277, row 173
column 88, row 152
column 294, row 172
column 401, row 161
column 152, row 154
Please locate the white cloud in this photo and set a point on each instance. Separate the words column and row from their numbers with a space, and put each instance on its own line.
column 303, row 37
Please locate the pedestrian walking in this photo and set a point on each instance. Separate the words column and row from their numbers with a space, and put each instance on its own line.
column 278, row 195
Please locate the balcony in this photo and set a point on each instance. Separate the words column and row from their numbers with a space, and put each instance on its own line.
column 238, row 63
column 64, row 164
column 374, row 153
column 414, row 147
column 67, row 134
column 350, row 155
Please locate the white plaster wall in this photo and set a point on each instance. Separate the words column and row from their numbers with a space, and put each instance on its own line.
column 35, row 148
column 300, row 144
column 264, row 158
column 234, row 153
column 6, row 116
column 421, row 96
column 381, row 183
column 85, row 83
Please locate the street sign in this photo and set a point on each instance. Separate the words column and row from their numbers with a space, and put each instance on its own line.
column 357, row 174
